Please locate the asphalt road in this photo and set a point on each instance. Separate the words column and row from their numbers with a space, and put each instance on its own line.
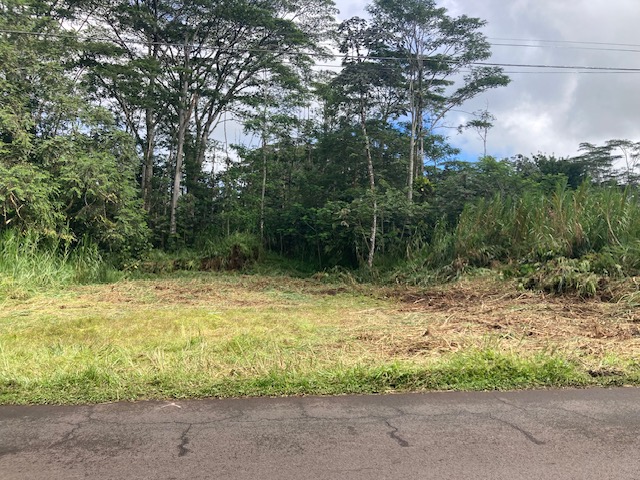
column 581, row 434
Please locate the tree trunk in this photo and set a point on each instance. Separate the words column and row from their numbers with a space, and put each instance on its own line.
column 184, row 116
column 420, row 154
column 372, row 186
column 210, row 117
column 177, row 179
column 147, row 171
column 419, row 164
column 264, row 187
column 412, row 140
column 151, row 124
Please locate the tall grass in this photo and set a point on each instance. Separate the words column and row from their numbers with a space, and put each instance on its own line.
column 600, row 224
column 31, row 262
column 237, row 251
column 538, row 227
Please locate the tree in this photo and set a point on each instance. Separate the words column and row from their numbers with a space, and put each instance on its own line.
column 597, row 160
column 124, row 60
column 551, row 169
column 272, row 114
column 434, row 49
column 355, row 89
column 600, row 160
column 482, row 123
column 211, row 55
column 65, row 168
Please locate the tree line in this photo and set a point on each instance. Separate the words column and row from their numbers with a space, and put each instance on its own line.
column 109, row 110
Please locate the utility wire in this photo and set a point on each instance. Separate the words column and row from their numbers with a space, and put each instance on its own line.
column 566, row 47
column 576, row 68
column 493, row 44
column 558, row 67
column 528, row 43
column 498, row 39
column 530, row 40
column 517, row 72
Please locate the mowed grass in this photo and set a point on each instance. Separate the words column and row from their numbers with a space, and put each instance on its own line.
column 224, row 335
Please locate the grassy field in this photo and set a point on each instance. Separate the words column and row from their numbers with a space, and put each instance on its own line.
column 206, row 335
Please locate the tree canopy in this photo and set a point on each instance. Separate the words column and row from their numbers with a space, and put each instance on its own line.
column 154, row 123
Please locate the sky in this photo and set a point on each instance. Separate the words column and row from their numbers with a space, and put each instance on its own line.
column 551, row 111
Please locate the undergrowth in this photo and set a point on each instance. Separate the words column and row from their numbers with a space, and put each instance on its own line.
column 572, row 241
column 237, row 251
column 30, row 262
column 95, row 381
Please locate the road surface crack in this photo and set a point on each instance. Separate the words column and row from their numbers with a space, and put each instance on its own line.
column 394, row 435
column 527, row 434
column 509, row 404
column 184, row 441
column 70, row 435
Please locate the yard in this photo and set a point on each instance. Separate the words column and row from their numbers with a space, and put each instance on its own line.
column 221, row 335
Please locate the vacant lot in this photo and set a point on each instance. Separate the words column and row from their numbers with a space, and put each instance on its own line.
column 233, row 335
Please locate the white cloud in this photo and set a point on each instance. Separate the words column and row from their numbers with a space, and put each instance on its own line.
column 545, row 112
column 351, row 8
column 553, row 112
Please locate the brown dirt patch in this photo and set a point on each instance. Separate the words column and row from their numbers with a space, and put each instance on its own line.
column 205, row 291
column 484, row 313
column 400, row 323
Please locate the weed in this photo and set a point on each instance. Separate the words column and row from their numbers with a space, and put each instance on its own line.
column 208, row 334
column 30, row 262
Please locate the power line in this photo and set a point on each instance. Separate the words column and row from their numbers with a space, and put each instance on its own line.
column 558, row 67
column 499, row 39
column 565, row 72
column 566, row 47
column 576, row 68
column 525, row 72
column 493, row 44
column 578, row 42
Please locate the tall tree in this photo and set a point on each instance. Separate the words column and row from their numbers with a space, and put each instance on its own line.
column 356, row 88
column 272, row 113
column 210, row 56
column 598, row 162
column 434, row 50
column 481, row 124
column 124, row 56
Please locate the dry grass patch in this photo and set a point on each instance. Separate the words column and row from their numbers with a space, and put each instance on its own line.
column 481, row 312
column 215, row 334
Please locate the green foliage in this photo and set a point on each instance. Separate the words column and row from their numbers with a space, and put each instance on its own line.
column 66, row 169
column 235, row 251
column 274, row 265
column 477, row 370
column 70, row 170
column 562, row 275
column 238, row 251
column 536, row 227
column 433, row 49
column 547, row 171
column 30, row 262
column 569, row 241
column 28, row 199
column 459, row 183
column 97, row 184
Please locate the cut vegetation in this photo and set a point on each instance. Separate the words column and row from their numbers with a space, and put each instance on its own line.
column 126, row 224
column 235, row 335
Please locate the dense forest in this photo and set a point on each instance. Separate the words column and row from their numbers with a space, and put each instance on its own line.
column 112, row 115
